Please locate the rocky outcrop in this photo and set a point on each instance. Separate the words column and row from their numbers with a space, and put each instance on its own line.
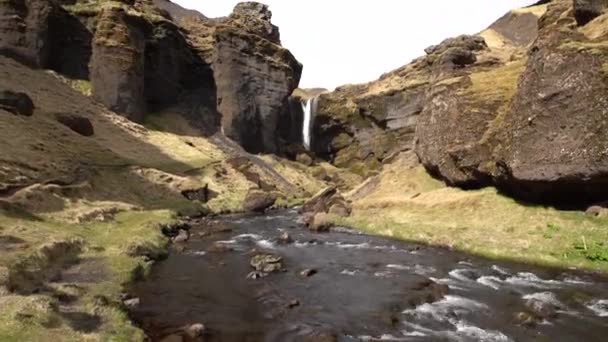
column 552, row 142
column 117, row 62
column 24, row 30
column 521, row 105
column 16, row 103
column 141, row 56
column 587, row 10
column 254, row 77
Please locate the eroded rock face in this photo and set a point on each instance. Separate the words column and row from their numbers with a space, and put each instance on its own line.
column 254, row 77
column 117, row 63
column 140, row 56
column 553, row 138
column 587, row 10
column 24, row 30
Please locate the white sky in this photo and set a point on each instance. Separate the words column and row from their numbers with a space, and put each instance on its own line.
column 354, row 41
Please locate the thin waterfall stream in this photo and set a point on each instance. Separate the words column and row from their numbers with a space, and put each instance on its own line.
column 308, row 108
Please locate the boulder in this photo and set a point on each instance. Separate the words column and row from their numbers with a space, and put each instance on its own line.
column 552, row 141
column 76, row 123
column 320, row 201
column 258, row 200
column 321, row 222
column 587, row 10
column 266, row 263
column 16, row 103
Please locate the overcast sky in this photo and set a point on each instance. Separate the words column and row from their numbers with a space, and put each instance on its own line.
column 354, row 41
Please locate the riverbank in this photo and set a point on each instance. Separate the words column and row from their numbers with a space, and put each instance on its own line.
column 404, row 202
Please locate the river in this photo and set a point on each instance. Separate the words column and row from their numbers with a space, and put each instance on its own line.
column 346, row 286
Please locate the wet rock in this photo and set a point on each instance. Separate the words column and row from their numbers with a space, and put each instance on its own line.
column 305, row 219
column 258, row 201
column 587, row 10
column 285, row 239
column 219, row 248
column 525, row 319
column 321, row 222
column 266, row 263
column 540, row 308
column 309, row 272
column 256, row 275
column 76, row 123
column 181, row 237
column 195, row 331
column 16, row 103
column 293, row 303
column 173, row 229
column 132, row 303
column 426, row 291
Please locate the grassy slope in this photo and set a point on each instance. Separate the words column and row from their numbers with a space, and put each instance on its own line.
column 410, row 205
column 61, row 181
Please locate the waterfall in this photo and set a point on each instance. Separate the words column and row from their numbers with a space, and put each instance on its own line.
column 308, row 107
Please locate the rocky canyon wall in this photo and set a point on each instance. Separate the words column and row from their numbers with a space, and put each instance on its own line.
column 140, row 56
column 521, row 105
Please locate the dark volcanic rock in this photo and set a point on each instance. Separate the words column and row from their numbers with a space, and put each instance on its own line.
column 117, row 63
column 76, row 123
column 587, row 10
column 24, row 30
column 257, row 200
column 254, row 78
column 553, row 139
column 16, row 103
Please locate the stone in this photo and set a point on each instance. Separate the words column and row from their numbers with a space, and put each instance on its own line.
column 182, row 236
column 266, row 263
column 285, row 238
column 587, row 10
column 426, row 291
column 597, row 210
column 309, row 272
column 304, row 158
column 16, row 103
column 321, row 222
column 525, row 319
column 258, row 201
column 319, row 202
column 131, row 303
column 557, row 156
column 196, row 330
column 293, row 303
column 76, row 123
column 340, row 209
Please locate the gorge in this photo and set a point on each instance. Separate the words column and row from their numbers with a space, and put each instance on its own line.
column 164, row 178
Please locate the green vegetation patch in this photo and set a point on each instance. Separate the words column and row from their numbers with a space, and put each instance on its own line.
column 112, row 254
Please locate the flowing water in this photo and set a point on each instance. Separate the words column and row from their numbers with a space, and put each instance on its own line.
column 365, row 289
column 308, row 109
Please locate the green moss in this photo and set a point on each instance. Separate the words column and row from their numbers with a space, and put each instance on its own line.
column 35, row 318
column 594, row 48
